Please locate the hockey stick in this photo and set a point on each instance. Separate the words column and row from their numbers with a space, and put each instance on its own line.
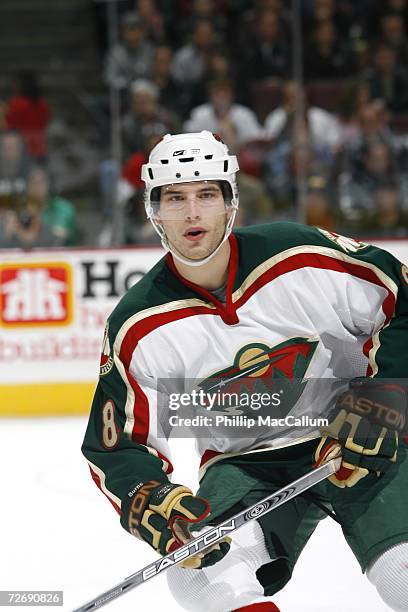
column 216, row 534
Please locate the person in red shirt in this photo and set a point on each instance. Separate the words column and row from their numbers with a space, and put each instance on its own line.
column 29, row 113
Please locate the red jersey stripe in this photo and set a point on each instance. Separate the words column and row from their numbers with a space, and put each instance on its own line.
column 97, row 481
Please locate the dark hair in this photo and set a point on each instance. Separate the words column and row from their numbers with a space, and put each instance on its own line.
column 28, row 85
column 200, row 21
column 49, row 176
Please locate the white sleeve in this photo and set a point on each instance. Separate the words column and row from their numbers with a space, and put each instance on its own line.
column 274, row 123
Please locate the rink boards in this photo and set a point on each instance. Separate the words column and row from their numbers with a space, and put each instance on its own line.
column 53, row 307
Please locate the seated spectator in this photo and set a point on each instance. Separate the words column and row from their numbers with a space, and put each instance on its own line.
column 145, row 112
column 268, row 52
column 243, row 18
column 210, row 9
column 235, row 123
column 24, row 229
column 33, row 218
column 370, row 123
column 161, row 76
column 324, row 127
column 370, row 126
column 200, row 9
column 359, row 186
column 29, row 113
column 394, row 34
column 388, row 80
column 131, row 58
column 56, row 214
column 190, row 61
column 295, row 160
column 219, row 68
column 130, row 194
column 152, row 19
column 388, row 219
column 255, row 203
column 326, row 10
column 355, row 99
column 387, row 7
column 328, row 56
column 318, row 209
column 14, row 164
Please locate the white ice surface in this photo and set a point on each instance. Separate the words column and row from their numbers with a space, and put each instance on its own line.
column 57, row 531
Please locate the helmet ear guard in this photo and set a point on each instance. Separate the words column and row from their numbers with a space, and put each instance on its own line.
column 185, row 158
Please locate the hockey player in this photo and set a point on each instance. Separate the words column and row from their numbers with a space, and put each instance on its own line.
column 317, row 304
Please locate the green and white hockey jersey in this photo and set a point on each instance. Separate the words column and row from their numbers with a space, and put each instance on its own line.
column 318, row 304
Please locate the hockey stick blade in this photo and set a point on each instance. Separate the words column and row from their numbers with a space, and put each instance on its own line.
column 271, row 502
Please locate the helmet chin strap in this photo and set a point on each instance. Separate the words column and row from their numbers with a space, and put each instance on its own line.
column 195, row 262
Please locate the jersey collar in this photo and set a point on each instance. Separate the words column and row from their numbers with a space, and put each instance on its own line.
column 226, row 311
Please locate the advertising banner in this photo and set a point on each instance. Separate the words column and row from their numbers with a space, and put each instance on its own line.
column 53, row 308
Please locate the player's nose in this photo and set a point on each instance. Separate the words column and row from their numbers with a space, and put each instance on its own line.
column 192, row 210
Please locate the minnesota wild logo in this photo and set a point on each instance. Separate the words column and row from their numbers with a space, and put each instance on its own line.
column 344, row 242
column 259, row 368
column 106, row 362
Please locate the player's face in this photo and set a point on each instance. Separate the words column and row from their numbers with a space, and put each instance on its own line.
column 193, row 216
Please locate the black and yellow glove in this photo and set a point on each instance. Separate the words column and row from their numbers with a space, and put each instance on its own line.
column 366, row 422
column 162, row 515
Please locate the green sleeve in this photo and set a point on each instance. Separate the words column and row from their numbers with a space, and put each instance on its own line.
column 117, row 462
column 391, row 356
column 60, row 216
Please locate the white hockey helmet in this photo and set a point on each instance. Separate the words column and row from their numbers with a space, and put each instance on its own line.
column 183, row 158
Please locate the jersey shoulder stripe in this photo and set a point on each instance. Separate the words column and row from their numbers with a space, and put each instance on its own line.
column 261, row 242
column 157, row 289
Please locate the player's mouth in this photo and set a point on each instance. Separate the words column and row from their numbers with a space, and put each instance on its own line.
column 195, row 233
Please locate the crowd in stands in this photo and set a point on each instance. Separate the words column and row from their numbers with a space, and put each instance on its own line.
column 226, row 67
column 336, row 144
column 31, row 214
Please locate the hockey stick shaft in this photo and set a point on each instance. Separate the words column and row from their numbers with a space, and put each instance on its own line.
column 271, row 502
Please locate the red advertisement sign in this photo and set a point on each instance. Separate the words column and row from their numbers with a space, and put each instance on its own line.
column 35, row 294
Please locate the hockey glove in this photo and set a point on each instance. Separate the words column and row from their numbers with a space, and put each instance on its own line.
column 365, row 421
column 162, row 514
